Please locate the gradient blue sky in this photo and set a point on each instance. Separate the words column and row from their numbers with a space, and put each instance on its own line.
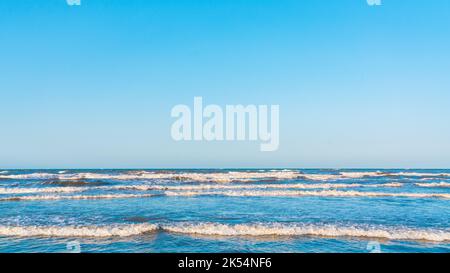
column 92, row 86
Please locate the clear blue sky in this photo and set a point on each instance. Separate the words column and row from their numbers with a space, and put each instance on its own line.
column 93, row 86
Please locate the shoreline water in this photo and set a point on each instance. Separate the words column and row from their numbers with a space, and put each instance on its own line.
column 294, row 210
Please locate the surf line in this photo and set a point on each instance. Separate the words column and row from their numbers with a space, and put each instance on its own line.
column 236, row 123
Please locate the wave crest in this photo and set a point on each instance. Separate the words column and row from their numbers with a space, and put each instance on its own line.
column 239, row 187
column 224, row 177
column 78, row 231
column 326, row 193
column 309, row 230
column 40, row 190
column 218, row 229
column 434, row 185
column 184, row 176
column 74, row 197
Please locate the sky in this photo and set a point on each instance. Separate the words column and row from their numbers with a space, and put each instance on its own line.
column 92, row 86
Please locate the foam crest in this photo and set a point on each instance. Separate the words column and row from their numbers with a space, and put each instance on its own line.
column 361, row 174
column 231, row 176
column 239, row 187
column 232, row 193
column 78, row 231
column 310, row 230
column 422, row 174
column 320, row 177
column 434, row 185
column 329, row 193
column 182, row 176
column 74, row 197
column 342, row 175
column 358, row 175
column 4, row 190
column 218, row 229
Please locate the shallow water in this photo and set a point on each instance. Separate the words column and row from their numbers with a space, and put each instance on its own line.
column 224, row 210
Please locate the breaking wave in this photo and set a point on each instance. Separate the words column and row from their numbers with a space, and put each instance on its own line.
column 232, row 193
column 75, row 183
column 309, row 230
column 423, row 174
column 329, row 193
column 434, row 185
column 231, row 176
column 217, row 229
column 140, row 175
column 239, row 187
column 39, row 190
column 356, row 175
column 77, row 231
column 6, row 190
column 74, row 197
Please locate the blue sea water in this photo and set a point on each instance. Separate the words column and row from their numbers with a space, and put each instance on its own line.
column 245, row 210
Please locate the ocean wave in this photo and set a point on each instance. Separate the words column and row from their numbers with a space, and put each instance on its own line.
column 238, row 187
column 6, row 190
column 224, row 177
column 422, row 174
column 4, row 172
column 434, row 185
column 75, row 183
column 39, row 190
column 74, row 197
column 77, row 231
column 362, row 174
column 218, row 229
column 359, row 175
column 329, row 193
column 310, row 230
column 184, row 176
column 342, row 175
column 231, row 193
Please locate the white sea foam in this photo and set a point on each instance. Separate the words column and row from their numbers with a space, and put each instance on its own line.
column 77, row 231
column 434, row 185
column 4, row 172
column 250, row 186
column 310, row 230
column 320, row 177
column 329, row 193
column 4, row 190
column 422, row 174
column 357, row 175
column 361, row 174
column 231, row 176
column 245, row 193
column 342, row 175
column 217, row 229
column 74, row 197
column 188, row 176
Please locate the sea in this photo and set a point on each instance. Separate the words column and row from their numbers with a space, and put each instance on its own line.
column 225, row 210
